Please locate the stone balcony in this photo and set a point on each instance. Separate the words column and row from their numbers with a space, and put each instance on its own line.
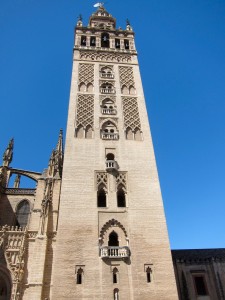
column 107, row 91
column 107, row 75
column 109, row 136
column 109, row 111
column 111, row 165
column 114, row 252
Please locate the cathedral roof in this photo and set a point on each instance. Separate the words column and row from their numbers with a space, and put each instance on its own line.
column 198, row 254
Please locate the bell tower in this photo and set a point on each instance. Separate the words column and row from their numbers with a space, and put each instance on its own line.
column 112, row 240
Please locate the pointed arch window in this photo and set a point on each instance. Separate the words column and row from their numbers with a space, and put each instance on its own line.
column 80, row 273
column 80, row 132
column 113, row 239
column 88, row 132
column 101, row 197
column 121, row 198
column 22, row 213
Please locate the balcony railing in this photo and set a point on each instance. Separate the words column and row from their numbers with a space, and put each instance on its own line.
column 109, row 111
column 107, row 75
column 114, row 252
column 107, row 91
column 111, row 165
column 110, row 136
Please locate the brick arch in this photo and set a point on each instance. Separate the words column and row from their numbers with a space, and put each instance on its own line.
column 110, row 223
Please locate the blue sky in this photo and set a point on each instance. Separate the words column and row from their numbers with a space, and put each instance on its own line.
column 181, row 46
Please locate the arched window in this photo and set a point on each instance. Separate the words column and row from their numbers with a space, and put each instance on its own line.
column 105, row 40
column 107, row 88
column 116, row 294
column 109, row 131
column 137, row 135
column 88, row 132
column 22, row 213
column 106, row 72
column 129, row 134
column 110, row 156
column 101, row 198
column 113, row 239
column 125, row 90
column 121, row 199
column 80, row 274
column 80, row 132
column 89, row 88
column 132, row 90
column 115, row 275
column 82, row 87
column 108, row 107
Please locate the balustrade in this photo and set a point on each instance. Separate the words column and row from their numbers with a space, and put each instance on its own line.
column 108, row 111
column 107, row 91
column 107, row 75
column 110, row 136
column 114, row 252
column 111, row 164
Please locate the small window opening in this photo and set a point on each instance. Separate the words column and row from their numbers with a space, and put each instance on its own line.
column 115, row 275
column 148, row 273
column 121, row 199
column 80, row 276
column 83, row 40
column 117, row 43
column 101, row 198
column 126, row 44
column 105, row 40
column 200, row 286
column 116, row 294
column 113, row 239
column 110, row 156
column 93, row 41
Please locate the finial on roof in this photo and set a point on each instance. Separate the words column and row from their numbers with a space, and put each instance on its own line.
column 79, row 20
column 128, row 25
column 8, row 154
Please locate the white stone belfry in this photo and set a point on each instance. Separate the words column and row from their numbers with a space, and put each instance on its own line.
column 111, row 211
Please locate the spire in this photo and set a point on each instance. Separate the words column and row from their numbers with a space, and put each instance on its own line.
column 80, row 21
column 101, row 18
column 55, row 165
column 8, row 154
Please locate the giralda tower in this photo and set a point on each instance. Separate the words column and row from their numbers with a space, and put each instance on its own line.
column 112, row 240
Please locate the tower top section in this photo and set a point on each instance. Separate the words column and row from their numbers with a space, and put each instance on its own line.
column 102, row 19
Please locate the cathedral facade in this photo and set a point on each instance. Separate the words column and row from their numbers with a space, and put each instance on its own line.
column 94, row 226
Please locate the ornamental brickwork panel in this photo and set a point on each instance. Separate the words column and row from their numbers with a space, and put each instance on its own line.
column 85, row 111
column 131, row 113
column 86, row 73
column 108, row 57
column 126, row 76
column 101, row 179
